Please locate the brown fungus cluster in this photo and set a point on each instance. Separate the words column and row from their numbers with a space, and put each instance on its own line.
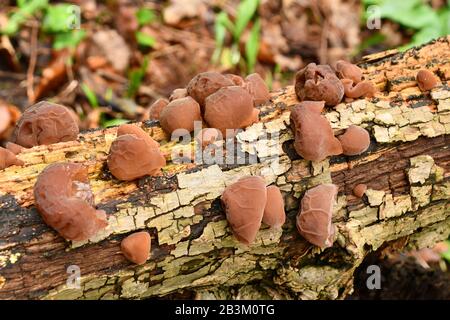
column 347, row 70
column 257, row 88
column 136, row 247
column 65, row 201
column 134, row 154
column 8, row 158
column 364, row 89
column 426, row 80
column 354, row 141
column 45, row 123
column 316, row 211
column 205, row 84
column 154, row 112
column 180, row 114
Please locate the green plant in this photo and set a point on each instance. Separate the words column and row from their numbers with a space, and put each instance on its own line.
column 416, row 15
column 135, row 78
column 144, row 39
column 112, row 122
column 145, row 16
column 90, row 95
column 446, row 254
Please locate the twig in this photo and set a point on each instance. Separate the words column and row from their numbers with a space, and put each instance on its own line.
column 32, row 64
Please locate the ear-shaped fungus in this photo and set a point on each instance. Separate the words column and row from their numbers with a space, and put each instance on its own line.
column 45, row 123
column 257, row 88
column 8, row 158
column 359, row 190
column 14, row 148
column 230, row 108
column 65, row 201
column 237, row 80
column 180, row 114
column 314, row 138
column 354, row 141
column 319, row 83
column 362, row 89
column 244, row 203
column 314, row 218
column 134, row 154
column 426, row 80
column 178, row 94
column 274, row 214
column 206, row 136
column 347, row 70
column 155, row 109
column 136, row 247
column 205, row 84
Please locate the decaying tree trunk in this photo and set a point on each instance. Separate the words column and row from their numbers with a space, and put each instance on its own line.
column 407, row 169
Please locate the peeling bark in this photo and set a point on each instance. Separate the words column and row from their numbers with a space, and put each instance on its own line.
column 407, row 170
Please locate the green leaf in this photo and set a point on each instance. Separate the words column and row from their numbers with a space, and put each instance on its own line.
column 446, row 254
column 145, row 16
column 26, row 10
column 245, row 12
column 68, row 39
column 135, row 78
column 252, row 46
column 113, row 122
column 220, row 31
column 60, row 18
column 423, row 36
column 145, row 40
column 90, row 95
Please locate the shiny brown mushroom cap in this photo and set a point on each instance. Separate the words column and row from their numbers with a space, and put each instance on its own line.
column 134, row 154
column 274, row 214
column 180, row 114
column 314, row 138
column 257, row 88
column 244, row 203
column 229, row 108
column 314, row 218
column 154, row 111
column 45, row 123
column 136, row 247
column 65, row 201
column 362, row 89
column 8, row 158
column 426, row 80
column 347, row 70
column 206, row 83
column 355, row 140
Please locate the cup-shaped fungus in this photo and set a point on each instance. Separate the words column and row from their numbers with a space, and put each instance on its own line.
column 180, row 114
column 205, row 84
column 178, row 94
column 314, row 138
column 45, row 123
column 207, row 136
column 244, row 203
column 14, row 148
column 354, row 141
column 314, row 218
column 136, row 247
column 359, row 190
column 230, row 108
column 364, row 89
column 154, row 112
column 65, row 201
column 237, row 80
column 274, row 214
column 8, row 158
column 347, row 70
column 426, row 80
column 319, row 83
column 257, row 88
column 134, row 154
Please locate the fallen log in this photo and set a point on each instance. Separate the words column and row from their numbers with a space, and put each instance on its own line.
column 406, row 169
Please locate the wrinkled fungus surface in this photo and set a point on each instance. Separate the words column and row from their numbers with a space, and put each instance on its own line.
column 156, row 108
column 244, row 203
column 180, row 114
column 230, row 108
column 237, row 80
column 314, row 138
column 426, row 80
column 359, row 190
column 205, row 84
column 136, row 247
column 364, row 89
column 65, row 201
column 354, row 141
column 257, row 88
column 8, row 158
column 319, row 83
column 45, row 123
column 274, row 214
column 314, row 218
column 134, row 154
column 347, row 70
column 178, row 94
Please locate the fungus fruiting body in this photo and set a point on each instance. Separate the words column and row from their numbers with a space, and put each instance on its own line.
column 354, row 141
column 156, row 108
column 134, row 154
column 347, row 70
column 314, row 218
column 180, row 114
column 65, row 201
column 274, row 214
column 14, row 148
column 8, row 158
column 136, row 247
column 45, row 123
column 257, row 88
column 319, row 83
column 237, row 80
column 364, row 89
column 426, row 80
column 314, row 138
column 206, row 83
column 244, row 203
column 178, row 94
column 230, row 108
column 359, row 190
column 207, row 136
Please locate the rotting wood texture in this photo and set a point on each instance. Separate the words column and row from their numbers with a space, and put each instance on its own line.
column 407, row 170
